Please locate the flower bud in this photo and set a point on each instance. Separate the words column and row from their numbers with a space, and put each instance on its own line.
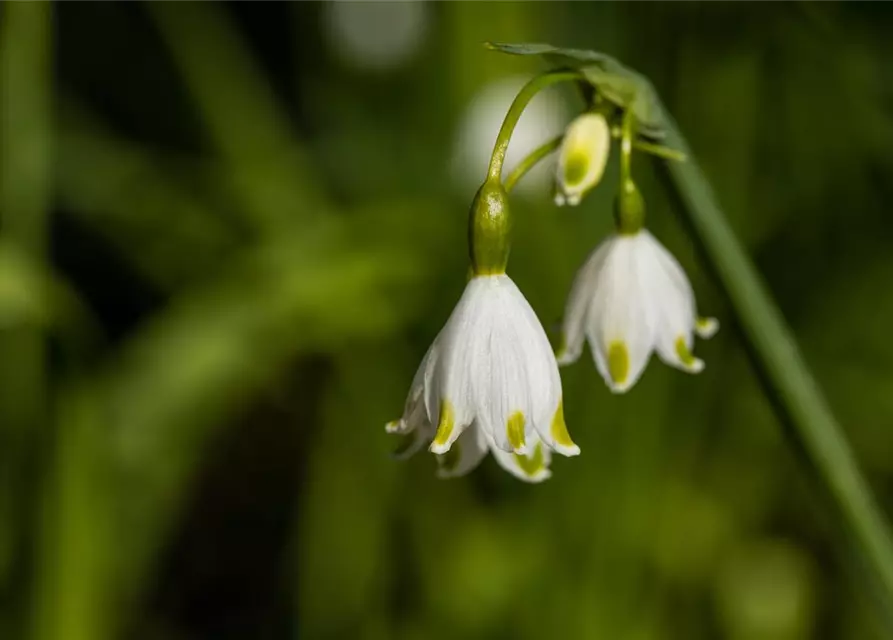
column 582, row 158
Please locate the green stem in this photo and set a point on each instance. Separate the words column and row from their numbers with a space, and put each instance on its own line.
column 626, row 147
column 659, row 150
column 514, row 113
column 783, row 371
column 25, row 193
column 542, row 151
column 530, row 161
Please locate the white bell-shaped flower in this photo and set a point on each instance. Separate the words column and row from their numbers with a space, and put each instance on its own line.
column 630, row 298
column 489, row 381
column 582, row 157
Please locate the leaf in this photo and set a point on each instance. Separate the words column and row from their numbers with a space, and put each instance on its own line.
column 535, row 49
column 615, row 81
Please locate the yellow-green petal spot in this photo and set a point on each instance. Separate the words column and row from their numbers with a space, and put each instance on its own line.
column 450, row 460
column 534, row 464
column 618, row 361
column 576, row 166
column 515, row 430
column 446, row 424
column 558, row 428
column 684, row 354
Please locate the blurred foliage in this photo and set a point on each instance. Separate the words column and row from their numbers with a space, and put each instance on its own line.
column 226, row 241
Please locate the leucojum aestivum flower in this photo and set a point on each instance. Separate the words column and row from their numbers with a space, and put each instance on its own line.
column 489, row 381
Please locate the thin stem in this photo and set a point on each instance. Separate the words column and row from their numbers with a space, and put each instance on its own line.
column 659, row 150
column 534, row 157
column 494, row 172
column 783, row 371
column 530, row 161
column 626, row 147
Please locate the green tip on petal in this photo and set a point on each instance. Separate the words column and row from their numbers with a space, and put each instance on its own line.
column 618, row 362
column 515, row 431
column 558, row 429
column 444, row 428
column 706, row 327
column 535, row 464
column 692, row 364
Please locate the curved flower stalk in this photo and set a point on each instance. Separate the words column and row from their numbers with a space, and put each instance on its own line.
column 631, row 297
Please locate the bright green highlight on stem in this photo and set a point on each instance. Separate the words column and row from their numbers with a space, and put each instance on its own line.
column 494, row 172
column 784, row 373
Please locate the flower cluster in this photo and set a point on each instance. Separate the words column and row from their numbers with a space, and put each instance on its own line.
column 490, row 380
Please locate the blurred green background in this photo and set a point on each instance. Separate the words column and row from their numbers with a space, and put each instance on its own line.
column 228, row 233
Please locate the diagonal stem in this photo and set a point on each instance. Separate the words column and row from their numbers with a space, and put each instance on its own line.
column 530, row 161
column 783, row 371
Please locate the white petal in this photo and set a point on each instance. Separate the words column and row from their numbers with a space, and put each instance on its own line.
column 465, row 454
column 533, row 467
column 448, row 399
column 573, row 329
column 673, row 308
column 500, row 377
column 544, row 382
column 414, row 412
column 674, row 271
column 704, row 327
column 620, row 326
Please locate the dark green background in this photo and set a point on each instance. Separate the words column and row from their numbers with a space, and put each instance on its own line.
column 249, row 243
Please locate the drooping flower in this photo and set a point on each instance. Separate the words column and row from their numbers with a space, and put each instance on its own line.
column 582, row 157
column 631, row 297
column 488, row 382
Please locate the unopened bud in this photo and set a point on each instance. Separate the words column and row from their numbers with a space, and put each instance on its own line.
column 582, row 158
